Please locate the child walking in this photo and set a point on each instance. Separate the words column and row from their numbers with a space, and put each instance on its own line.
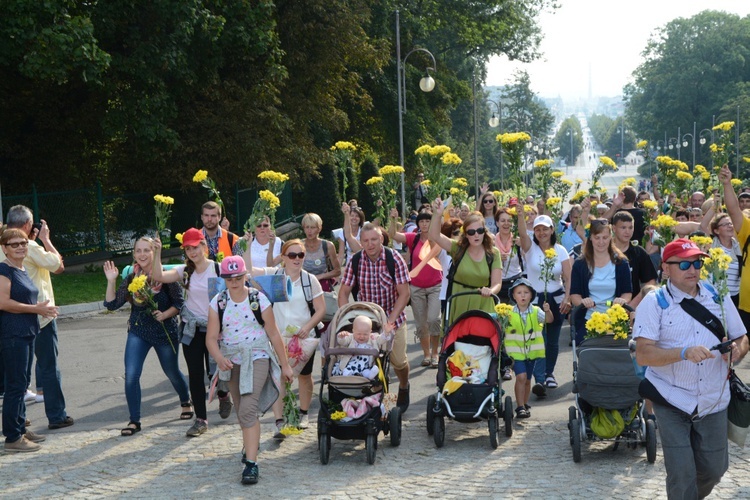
column 249, row 354
column 524, row 342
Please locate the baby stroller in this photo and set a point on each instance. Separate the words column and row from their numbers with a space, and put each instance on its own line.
column 604, row 378
column 478, row 334
column 384, row 416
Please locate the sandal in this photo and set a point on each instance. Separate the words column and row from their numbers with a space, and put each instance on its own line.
column 187, row 414
column 129, row 431
column 434, row 362
column 426, row 361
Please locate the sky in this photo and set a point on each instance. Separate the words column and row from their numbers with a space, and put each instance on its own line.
column 604, row 37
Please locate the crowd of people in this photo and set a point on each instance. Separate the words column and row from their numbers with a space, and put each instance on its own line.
column 551, row 267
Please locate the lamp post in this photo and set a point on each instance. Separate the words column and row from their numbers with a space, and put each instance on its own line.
column 621, row 130
column 685, row 144
column 496, row 121
column 671, row 144
column 702, row 137
column 426, row 84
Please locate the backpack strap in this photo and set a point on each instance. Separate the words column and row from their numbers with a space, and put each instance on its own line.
column 217, row 269
column 307, row 290
column 390, row 263
column 661, row 299
column 329, row 264
column 413, row 247
column 744, row 254
column 252, row 298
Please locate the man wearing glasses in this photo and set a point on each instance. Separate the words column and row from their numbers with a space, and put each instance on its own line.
column 686, row 378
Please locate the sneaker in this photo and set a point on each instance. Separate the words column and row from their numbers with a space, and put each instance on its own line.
column 198, row 428
column 39, row 398
column 506, row 374
column 30, row 396
column 225, row 407
column 251, row 473
column 34, row 437
column 403, row 399
column 539, row 391
column 59, row 425
column 550, row 382
column 522, row 412
column 304, row 420
column 279, row 435
column 22, row 445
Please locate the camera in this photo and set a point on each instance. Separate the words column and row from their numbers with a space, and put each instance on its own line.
column 37, row 226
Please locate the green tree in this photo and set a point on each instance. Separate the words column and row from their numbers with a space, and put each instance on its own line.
column 569, row 126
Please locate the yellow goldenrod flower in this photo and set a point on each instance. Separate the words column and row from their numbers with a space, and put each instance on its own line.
column 200, row 176
column 422, row 150
column 724, row 126
column 451, row 159
column 557, row 174
column 641, row 144
column 272, row 199
column 550, row 253
column 391, row 169
column 345, row 146
column 460, row 181
column 375, row 180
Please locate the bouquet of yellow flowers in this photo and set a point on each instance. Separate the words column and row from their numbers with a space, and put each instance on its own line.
column 290, row 412
column 143, row 295
column 163, row 211
column 202, row 178
column 343, row 155
column 664, row 225
column 715, row 269
column 513, row 145
column 543, row 172
column 503, row 312
column 267, row 203
column 606, row 164
column 723, row 146
column 439, row 165
column 391, row 175
column 615, row 320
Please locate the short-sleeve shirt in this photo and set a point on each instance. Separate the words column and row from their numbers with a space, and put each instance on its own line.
column 602, row 288
column 375, row 282
column 203, row 286
column 239, row 325
column 642, row 268
column 687, row 385
column 22, row 289
column 39, row 263
column 534, row 258
column 428, row 276
column 260, row 252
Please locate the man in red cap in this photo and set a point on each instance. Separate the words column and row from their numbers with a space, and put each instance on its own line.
column 676, row 327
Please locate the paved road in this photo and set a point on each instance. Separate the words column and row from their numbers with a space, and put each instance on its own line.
column 92, row 459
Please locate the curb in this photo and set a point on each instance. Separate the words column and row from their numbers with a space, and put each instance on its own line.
column 78, row 309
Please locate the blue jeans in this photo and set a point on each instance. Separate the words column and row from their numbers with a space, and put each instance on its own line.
column 48, row 373
column 15, row 354
column 136, row 350
column 546, row 366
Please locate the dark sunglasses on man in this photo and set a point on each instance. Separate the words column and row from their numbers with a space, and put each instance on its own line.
column 684, row 265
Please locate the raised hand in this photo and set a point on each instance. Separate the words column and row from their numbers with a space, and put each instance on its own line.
column 110, row 271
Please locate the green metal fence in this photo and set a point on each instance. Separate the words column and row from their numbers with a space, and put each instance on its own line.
column 91, row 220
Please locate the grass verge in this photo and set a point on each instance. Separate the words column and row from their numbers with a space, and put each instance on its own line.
column 79, row 288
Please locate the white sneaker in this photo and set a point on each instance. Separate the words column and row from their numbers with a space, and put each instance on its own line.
column 304, row 420
column 39, row 398
column 30, row 396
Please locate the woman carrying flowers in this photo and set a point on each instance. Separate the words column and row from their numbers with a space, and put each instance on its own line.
column 551, row 287
column 147, row 328
column 477, row 265
column 600, row 277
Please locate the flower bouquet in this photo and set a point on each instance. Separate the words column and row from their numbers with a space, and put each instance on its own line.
column 615, row 321
column 163, row 211
column 554, row 205
column 606, row 164
column 267, row 203
column 439, row 166
column 458, row 191
column 391, row 175
column 715, row 269
column 513, row 145
column 642, row 147
column 343, row 153
column 547, row 268
column 201, row 177
column 290, row 412
column 664, row 225
column 705, row 178
column 503, row 312
column 143, row 295
column 376, row 185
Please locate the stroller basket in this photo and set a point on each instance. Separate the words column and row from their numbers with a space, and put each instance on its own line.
column 605, row 377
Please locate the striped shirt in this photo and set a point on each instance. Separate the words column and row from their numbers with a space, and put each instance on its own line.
column 733, row 274
column 375, row 282
column 686, row 385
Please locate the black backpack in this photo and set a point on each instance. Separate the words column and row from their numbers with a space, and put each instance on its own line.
column 390, row 263
column 252, row 298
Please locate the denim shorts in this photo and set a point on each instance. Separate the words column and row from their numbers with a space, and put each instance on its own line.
column 526, row 367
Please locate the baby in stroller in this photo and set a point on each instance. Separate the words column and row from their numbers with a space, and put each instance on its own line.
column 362, row 337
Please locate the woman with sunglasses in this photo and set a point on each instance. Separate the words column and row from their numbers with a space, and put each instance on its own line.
column 557, row 288
column 478, row 266
column 148, row 329
column 19, row 325
column 266, row 247
column 487, row 206
column 601, row 276
column 200, row 280
column 724, row 237
column 510, row 252
column 298, row 315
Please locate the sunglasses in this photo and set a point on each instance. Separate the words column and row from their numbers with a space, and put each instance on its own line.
column 263, row 225
column 488, row 201
column 684, row 265
column 294, row 255
column 724, row 225
column 600, row 222
column 457, row 232
column 472, row 232
column 22, row 244
column 235, row 278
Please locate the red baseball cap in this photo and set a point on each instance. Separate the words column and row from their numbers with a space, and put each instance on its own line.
column 192, row 237
column 682, row 248
column 513, row 202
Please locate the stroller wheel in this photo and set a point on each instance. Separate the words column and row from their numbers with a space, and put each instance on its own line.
column 492, row 423
column 324, row 446
column 394, row 421
column 430, row 415
column 572, row 415
column 508, row 416
column 439, row 431
column 576, row 439
column 650, row 441
column 371, row 446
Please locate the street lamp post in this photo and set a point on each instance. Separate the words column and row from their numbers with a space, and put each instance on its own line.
column 702, row 137
column 621, row 130
column 692, row 141
column 496, row 121
column 671, row 144
column 426, row 84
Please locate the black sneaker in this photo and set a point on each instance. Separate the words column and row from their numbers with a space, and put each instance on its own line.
column 250, row 474
column 539, row 391
column 403, row 399
column 522, row 412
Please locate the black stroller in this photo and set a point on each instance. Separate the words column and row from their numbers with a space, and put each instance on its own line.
column 471, row 402
column 341, row 387
column 604, row 378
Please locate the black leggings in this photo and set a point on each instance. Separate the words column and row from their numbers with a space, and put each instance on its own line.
column 196, row 356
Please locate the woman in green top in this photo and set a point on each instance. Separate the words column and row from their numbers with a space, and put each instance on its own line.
column 479, row 265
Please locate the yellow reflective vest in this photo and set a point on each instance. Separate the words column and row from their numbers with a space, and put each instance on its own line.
column 524, row 340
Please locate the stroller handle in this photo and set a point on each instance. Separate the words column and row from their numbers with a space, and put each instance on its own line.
column 472, row 292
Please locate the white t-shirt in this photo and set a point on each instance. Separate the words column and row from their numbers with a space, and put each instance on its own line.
column 445, row 262
column 260, row 252
column 295, row 312
column 203, row 287
column 533, row 259
column 239, row 325
column 339, row 234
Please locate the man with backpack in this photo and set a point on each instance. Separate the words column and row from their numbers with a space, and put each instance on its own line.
column 378, row 274
column 678, row 331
